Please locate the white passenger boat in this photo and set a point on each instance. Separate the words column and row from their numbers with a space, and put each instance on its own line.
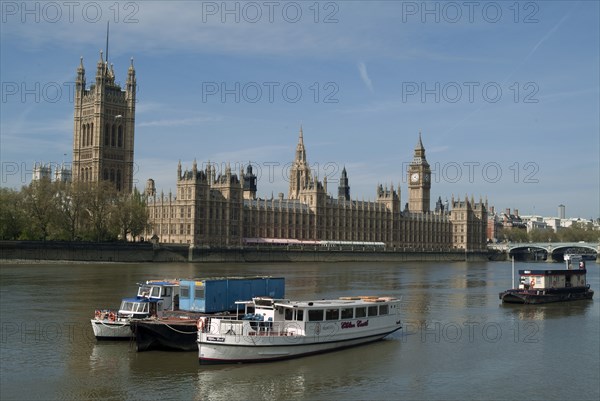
column 273, row 329
column 153, row 298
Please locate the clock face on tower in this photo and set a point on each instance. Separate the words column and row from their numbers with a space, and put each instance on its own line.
column 414, row 177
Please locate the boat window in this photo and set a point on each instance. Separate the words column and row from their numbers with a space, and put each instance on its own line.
column 315, row 315
column 383, row 309
column 300, row 315
column 156, row 292
column 332, row 314
column 199, row 293
column 166, row 291
column 289, row 314
column 361, row 312
column 126, row 305
column 184, row 291
column 347, row 313
column 144, row 291
column 373, row 310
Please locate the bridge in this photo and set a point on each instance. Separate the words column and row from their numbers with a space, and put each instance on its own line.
column 550, row 251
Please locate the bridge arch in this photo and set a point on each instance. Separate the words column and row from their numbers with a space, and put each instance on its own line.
column 551, row 251
column 565, row 247
column 524, row 252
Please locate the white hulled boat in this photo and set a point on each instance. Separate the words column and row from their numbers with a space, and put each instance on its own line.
column 273, row 329
column 154, row 297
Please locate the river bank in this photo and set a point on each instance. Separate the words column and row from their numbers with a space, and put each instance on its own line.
column 37, row 251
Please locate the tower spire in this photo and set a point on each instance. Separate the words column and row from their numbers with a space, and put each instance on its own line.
column 420, row 143
column 300, row 150
column 107, row 27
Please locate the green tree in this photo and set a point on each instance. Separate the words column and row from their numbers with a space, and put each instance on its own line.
column 40, row 207
column 513, row 234
column 70, row 205
column 130, row 214
column 579, row 231
column 543, row 235
column 99, row 206
column 12, row 216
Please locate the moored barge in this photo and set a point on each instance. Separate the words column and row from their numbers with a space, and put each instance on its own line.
column 555, row 285
column 178, row 330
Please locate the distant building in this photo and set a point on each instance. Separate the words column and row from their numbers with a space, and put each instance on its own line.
column 512, row 220
column 62, row 174
column 494, row 225
column 41, row 172
column 561, row 211
column 223, row 210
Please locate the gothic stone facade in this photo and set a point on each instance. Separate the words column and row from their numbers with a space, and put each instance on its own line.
column 103, row 135
column 219, row 211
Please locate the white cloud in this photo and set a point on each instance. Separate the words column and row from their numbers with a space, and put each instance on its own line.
column 364, row 75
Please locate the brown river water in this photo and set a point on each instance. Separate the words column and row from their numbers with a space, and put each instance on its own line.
column 459, row 342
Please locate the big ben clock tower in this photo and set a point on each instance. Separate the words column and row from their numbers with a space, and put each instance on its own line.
column 419, row 181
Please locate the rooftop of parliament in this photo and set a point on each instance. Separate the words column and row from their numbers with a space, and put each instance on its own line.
column 222, row 210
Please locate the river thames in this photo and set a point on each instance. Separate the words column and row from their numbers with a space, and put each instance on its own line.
column 459, row 342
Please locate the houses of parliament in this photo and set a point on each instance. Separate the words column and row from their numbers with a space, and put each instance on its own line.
column 223, row 209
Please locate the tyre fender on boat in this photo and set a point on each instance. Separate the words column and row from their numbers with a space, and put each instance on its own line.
column 532, row 283
column 112, row 317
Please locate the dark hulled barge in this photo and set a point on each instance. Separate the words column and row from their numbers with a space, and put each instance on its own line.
column 212, row 297
column 545, row 286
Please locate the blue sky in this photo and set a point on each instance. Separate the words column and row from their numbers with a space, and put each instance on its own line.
column 506, row 94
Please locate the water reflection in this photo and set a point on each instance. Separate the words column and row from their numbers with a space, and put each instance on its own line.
column 548, row 311
column 333, row 374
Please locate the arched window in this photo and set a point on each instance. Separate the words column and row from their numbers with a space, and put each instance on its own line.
column 118, row 180
column 112, row 175
column 113, row 137
column 107, row 135
column 91, row 134
column 82, row 137
column 105, row 174
column 120, row 139
column 82, row 174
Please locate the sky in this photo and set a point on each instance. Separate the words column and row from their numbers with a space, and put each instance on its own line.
column 506, row 95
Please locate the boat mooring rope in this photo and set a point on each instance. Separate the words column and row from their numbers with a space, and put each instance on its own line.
column 117, row 326
column 179, row 331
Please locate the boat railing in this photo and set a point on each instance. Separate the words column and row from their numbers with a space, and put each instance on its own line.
column 106, row 315
column 247, row 327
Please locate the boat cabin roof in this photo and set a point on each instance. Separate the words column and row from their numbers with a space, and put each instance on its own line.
column 264, row 302
column 554, row 272
column 142, row 300
column 336, row 303
column 162, row 283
